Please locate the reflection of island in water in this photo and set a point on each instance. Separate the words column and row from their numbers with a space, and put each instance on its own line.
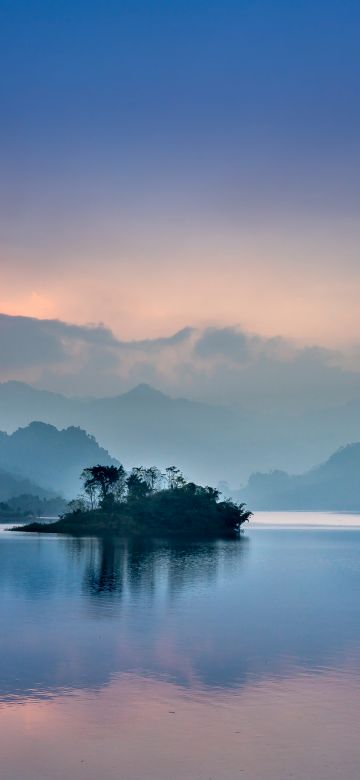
column 140, row 567
column 88, row 608
column 212, row 615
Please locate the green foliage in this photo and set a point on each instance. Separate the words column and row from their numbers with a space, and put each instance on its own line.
column 147, row 503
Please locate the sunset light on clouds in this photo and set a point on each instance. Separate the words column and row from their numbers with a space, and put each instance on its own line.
column 182, row 179
column 268, row 279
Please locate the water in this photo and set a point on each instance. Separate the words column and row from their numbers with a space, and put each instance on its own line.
column 211, row 661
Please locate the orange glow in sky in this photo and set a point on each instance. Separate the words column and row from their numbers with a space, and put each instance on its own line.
column 296, row 281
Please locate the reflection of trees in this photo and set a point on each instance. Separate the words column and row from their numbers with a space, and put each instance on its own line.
column 141, row 568
column 103, row 562
column 104, row 572
column 200, row 564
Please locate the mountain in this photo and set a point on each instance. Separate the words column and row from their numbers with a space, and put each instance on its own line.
column 12, row 486
column 141, row 426
column 21, row 404
column 209, row 443
column 53, row 458
column 334, row 486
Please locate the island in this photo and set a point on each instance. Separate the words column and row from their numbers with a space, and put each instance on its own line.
column 147, row 503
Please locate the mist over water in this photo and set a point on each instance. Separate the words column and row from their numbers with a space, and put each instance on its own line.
column 157, row 660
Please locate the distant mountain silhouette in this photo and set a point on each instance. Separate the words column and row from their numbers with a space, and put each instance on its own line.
column 144, row 393
column 52, row 458
column 140, row 426
column 209, row 443
column 334, row 485
column 12, row 486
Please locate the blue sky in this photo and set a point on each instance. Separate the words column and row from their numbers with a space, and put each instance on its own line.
column 127, row 127
column 86, row 77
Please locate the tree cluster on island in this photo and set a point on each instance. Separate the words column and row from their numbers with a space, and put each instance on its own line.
column 147, row 502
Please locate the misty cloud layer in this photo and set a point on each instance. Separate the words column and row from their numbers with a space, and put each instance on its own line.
column 219, row 365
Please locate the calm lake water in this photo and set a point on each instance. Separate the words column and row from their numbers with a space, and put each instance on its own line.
column 211, row 661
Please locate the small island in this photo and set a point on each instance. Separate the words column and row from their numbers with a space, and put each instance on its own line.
column 146, row 503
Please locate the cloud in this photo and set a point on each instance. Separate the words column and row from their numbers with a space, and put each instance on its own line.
column 226, row 343
column 219, row 365
column 86, row 358
column 26, row 342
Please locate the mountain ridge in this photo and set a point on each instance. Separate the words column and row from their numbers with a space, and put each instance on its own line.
column 41, row 453
column 331, row 486
column 208, row 443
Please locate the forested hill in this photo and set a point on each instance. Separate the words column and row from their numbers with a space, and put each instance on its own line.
column 53, row 459
column 334, row 486
column 12, row 485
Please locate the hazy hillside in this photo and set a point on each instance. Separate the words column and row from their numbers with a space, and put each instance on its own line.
column 334, row 485
column 52, row 458
column 21, row 404
column 141, row 426
column 209, row 443
column 12, row 485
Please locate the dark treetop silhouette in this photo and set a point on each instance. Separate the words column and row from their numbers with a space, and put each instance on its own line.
column 146, row 502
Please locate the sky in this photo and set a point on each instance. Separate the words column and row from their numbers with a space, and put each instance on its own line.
column 181, row 165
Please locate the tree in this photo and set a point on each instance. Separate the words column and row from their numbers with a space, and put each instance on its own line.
column 153, row 477
column 120, row 487
column 137, row 484
column 100, row 482
column 174, row 478
column 234, row 515
column 77, row 505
